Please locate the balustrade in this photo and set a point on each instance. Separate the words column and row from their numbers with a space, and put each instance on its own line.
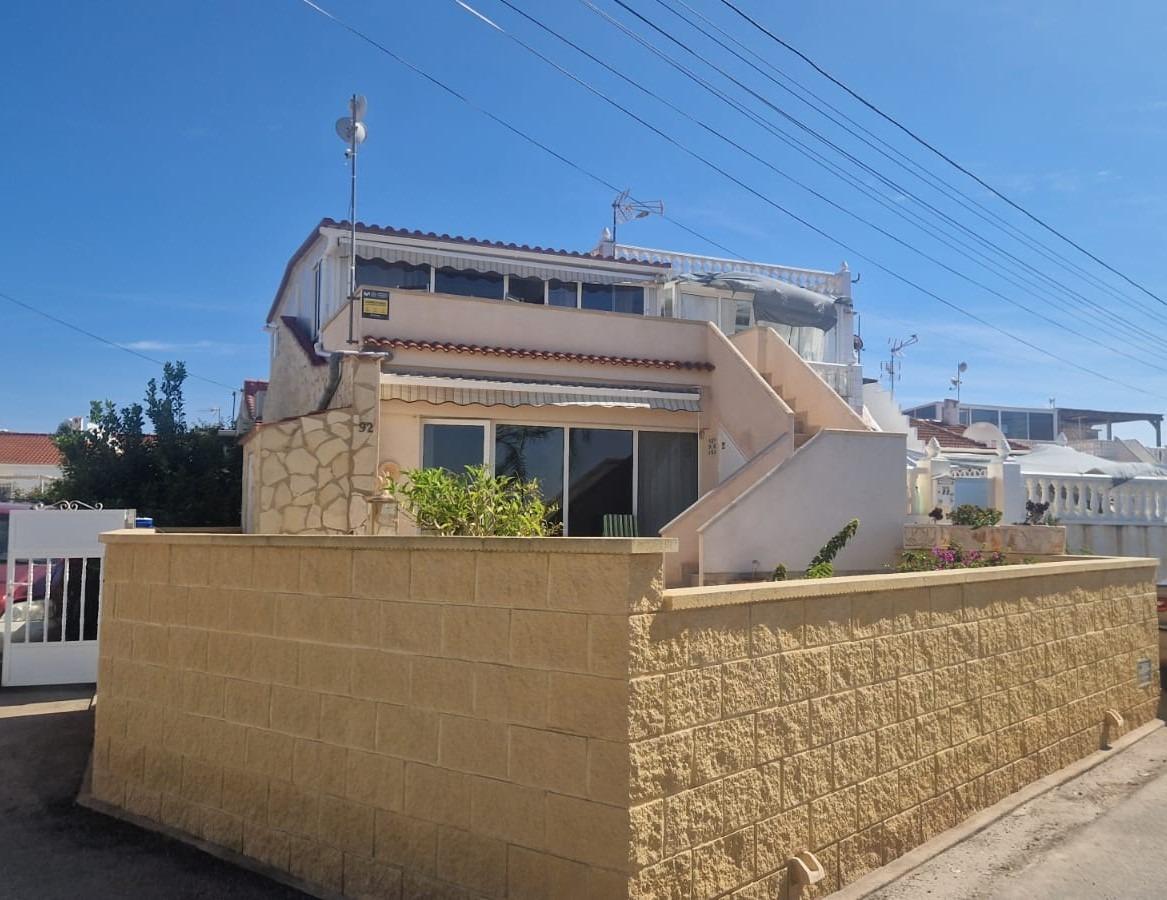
column 1100, row 498
column 694, row 263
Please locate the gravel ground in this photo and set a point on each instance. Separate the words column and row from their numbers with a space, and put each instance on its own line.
column 51, row 848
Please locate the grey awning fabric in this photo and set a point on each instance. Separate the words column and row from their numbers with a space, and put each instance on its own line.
column 481, row 392
column 484, row 261
column 775, row 302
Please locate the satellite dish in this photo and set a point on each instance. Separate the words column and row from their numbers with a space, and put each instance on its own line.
column 358, row 106
column 349, row 131
column 963, row 367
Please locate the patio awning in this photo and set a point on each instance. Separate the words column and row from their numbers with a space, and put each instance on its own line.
column 482, row 392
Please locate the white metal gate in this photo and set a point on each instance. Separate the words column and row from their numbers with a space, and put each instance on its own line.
column 52, row 596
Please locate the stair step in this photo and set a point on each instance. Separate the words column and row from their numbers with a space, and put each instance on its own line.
column 800, row 438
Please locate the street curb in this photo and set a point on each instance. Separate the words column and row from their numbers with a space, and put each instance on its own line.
column 899, row 868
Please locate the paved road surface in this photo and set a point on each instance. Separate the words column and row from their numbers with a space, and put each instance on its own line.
column 1102, row 836
column 51, row 848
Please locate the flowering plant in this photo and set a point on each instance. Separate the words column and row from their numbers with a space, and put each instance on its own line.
column 950, row 557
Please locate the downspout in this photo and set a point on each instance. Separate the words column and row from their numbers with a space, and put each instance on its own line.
column 335, row 369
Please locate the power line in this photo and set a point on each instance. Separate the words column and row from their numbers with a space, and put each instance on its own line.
column 806, row 151
column 948, row 159
column 1155, row 365
column 769, row 201
column 905, row 162
column 824, row 234
column 106, row 341
column 417, row 70
column 949, row 190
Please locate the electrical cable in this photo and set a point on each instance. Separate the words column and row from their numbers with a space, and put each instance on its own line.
column 948, row 159
column 1123, row 324
column 107, row 341
column 770, row 202
column 1156, row 364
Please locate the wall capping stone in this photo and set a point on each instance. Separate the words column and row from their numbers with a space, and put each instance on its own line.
column 807, row 588
column 634, row 546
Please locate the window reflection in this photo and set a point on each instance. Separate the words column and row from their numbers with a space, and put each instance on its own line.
column 562, row 293
column 666, row 476
column 399, row 275
column 600, row 472
column 452, row 447
column 525, row 290
column 468, row 283
column 532, row 452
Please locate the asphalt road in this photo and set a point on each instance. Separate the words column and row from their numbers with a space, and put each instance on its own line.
column 51, row 848
column 1102, row 835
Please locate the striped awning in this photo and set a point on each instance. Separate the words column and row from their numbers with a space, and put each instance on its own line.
column 482, row 392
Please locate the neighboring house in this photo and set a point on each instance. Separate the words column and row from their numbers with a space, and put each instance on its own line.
column 28, row 462
column 717, row 401
column 1037, row 423
column 251, row 402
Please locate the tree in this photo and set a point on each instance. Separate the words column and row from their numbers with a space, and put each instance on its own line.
column 178, row 474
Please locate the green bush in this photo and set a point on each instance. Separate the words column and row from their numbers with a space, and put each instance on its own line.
column 975, row 516
column 475, row 503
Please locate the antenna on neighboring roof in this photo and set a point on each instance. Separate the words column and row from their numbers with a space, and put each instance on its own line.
column 625, row 209
column 351, row 130
column 891, row 368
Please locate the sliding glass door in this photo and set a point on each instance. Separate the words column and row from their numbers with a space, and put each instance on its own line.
column 587, row 473
column 532, row 452
column 666, row 475
column 599, row 466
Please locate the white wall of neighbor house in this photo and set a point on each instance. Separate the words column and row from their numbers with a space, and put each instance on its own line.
column 27, row 478
column 787, row 517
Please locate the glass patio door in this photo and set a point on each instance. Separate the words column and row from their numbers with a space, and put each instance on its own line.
column 599, row 466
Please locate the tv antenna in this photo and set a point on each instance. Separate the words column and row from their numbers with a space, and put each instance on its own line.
column 958, row 381
column 892, row 367
column 351, row 129
column 625, row 209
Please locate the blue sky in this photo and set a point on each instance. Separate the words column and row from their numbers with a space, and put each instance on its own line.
column 161, row 161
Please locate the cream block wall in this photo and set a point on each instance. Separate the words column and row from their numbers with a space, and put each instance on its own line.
column 858, row 717
column 504, row 718
column 439, row 717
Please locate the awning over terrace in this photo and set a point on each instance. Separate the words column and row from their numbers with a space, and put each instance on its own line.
column 482, row 392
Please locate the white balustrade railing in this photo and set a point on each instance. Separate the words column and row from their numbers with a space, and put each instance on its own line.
column 835, row 284
column 1100, row 498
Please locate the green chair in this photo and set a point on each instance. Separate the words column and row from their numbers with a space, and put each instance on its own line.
column 620, row 525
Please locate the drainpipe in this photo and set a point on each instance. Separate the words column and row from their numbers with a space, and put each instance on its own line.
column 335, row 359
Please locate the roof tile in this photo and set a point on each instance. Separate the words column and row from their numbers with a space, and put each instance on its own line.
column 376, row 343
column 25, row 449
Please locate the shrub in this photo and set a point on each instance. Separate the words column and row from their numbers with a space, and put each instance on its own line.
column 975, row 516
column 474, row 503
column 822, row 564
column 950, row 557
column 1037, row 514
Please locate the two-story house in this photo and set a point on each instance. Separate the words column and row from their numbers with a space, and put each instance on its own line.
column 717, row 401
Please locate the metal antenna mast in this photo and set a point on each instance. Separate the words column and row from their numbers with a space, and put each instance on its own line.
column 351, row 130
column 958, row 381
column 625, row 209
column 891, row 368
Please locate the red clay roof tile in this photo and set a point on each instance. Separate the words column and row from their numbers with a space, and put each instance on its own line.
column 25, row 449
column 375, row 343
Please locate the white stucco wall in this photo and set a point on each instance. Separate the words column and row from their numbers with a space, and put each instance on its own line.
column 786, row 517
column 1119, row 540
column 28, row 478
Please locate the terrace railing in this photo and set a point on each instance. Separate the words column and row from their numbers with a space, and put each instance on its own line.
column 1100, row 498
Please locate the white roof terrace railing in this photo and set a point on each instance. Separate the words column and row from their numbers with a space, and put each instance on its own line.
column 834, row 284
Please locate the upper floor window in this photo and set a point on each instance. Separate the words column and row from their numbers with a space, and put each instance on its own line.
column 621, row 298
column 400, row 275
column 468, row 283
column 563, row 293
column 743, row 315
column 525, row 290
